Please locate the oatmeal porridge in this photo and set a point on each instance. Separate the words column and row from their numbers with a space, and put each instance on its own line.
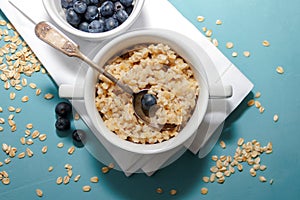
column 166, row 75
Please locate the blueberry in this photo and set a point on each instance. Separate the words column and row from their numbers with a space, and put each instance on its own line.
column 91, row 13
column 67, row 3
column 96, row 27
column 87, row 2
column 62, row 124
column 129, row 9
column 121, row 16
column 83, row 26
column 94, row 2
column 80, row 7
column 118, row 6
column 72, row 17
column 78, row 137
column 111, row 23
column 148, row 100
column 63, row 109
column 126, row 3
column 107, row 9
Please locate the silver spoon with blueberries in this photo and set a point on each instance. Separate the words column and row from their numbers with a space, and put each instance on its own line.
column 144, row 103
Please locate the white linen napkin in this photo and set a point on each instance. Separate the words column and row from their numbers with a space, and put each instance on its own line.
column 63, row 70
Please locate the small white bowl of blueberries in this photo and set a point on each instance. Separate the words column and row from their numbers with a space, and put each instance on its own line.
column 94, row 19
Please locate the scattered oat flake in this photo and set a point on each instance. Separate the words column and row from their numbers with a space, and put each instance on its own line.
column 48, row 96
column 205, row 179
column 200, row 18
column 23, row 140
column 66, row 180
column 32, row 85
column 214, row 158
column 173, row 192
column 218, row 22
column 2, row 22
column 76, row 179
column 262, row 167
column 246, row 53
column 266, row 43
column 68, row 166
column 42, row 137
column 60, row 145
column 59, row 180
column 234, row 54
column 111, row 165
column 94, row 179
column 262, row 179
column 44, row 149
column 6, row 181
column 50, row 169
column 35, row 134
column 257, row 94
column 204, row 190
column 38, row 92
column 76, row 116
column 257, row 104
column 7, row 161
column 251, row 102
column 215, row 42
column 11, row 108
column 29, row 152
column 275, row 118
column 229, row 45
column 280, row 70
column 39, row 192
column 208, row 33
column 12, row 96
column 29, row 126
column 240, row 141
column 70, row 173
column 86, row 188
column 261, row 109
column 159, row 190
column 25, row 98
column 71, row 150
column 104, row 170
column 222, row 144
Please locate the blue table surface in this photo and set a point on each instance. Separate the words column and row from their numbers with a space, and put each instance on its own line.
column 246, row 24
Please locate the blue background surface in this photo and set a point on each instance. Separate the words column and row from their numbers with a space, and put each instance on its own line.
column 246, row 24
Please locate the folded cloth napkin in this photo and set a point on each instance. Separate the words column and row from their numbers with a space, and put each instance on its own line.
column 62, row 70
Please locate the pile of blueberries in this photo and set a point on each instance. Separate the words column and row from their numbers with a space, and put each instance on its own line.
column 96, row 16
column 63, row 111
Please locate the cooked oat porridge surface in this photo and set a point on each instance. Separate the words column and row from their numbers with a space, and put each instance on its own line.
column 167, row 76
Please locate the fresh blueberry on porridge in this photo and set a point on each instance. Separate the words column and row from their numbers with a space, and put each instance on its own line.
column 172, row 90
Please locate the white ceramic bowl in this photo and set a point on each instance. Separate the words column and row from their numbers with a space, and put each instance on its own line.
column 56, row 13
column 179, row 44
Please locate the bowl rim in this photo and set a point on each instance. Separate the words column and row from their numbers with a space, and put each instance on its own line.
column 187, row 132
column 51, row 8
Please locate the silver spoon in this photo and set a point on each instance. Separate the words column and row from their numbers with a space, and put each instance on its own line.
column 55, row 38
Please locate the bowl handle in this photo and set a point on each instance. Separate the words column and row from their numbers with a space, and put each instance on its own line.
column 220, row 92
column 70, row 92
